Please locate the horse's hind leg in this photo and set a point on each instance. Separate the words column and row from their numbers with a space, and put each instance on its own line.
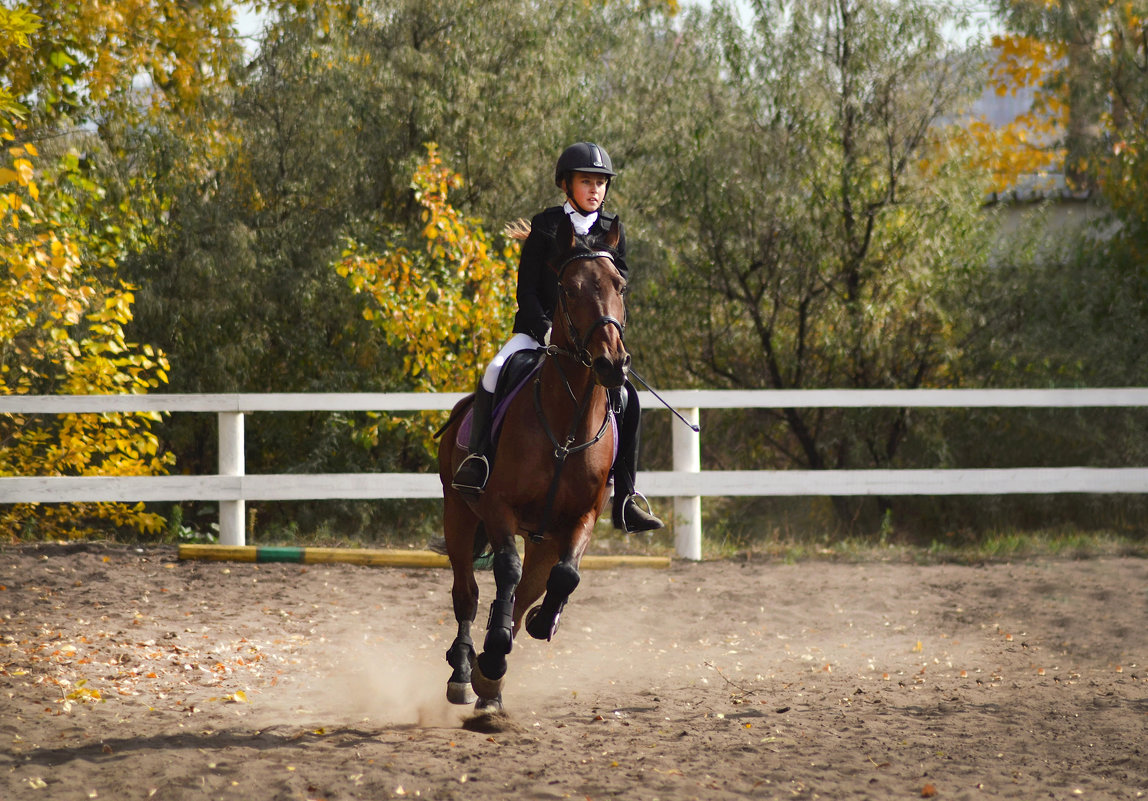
column 536, row 564
column 464, row 594
column 460, row 656
column 490, row 667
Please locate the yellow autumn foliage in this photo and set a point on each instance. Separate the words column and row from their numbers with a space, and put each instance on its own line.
column 104, row 48
column 448, row 306
column 62, row 319
column 1030, row 145
column 1084, row 53
column 16, row 26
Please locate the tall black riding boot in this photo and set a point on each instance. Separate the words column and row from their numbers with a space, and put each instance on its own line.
column 472, row 474
column 628, row 515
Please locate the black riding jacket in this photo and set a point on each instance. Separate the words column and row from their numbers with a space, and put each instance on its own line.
column 538, row 284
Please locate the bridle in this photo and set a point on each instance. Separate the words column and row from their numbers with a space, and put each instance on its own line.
column 576, row 338
column 566, row 447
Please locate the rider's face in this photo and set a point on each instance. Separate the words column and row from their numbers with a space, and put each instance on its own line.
column 588, row 189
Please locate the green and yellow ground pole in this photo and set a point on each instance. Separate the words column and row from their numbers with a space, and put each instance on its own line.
column 375, row 557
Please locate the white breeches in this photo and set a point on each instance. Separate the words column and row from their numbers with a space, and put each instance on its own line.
column 513, row 345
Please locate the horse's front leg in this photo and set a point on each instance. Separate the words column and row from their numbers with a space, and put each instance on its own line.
column 490, row 668
column 542, row 620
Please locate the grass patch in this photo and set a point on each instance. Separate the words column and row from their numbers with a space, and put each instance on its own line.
column 999, row 546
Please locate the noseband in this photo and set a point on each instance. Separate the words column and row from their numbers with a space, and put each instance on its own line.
column 582, row 342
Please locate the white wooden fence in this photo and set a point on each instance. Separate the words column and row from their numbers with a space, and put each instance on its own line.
column 686, row 483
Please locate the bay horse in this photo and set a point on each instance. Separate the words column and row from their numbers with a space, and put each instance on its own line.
column 557, row 445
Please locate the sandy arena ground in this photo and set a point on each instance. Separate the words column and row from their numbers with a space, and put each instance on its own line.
column 126, row 674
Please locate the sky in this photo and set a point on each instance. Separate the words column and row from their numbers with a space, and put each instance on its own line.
column 248, row 23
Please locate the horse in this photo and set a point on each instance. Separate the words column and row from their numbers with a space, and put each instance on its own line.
column 548, row 487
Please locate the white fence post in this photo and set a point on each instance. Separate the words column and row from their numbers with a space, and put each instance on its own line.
column 231, row 458
column 687, row 510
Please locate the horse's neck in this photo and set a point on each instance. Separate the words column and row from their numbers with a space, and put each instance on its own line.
column 556, row 392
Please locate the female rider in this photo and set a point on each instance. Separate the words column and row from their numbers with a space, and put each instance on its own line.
column 583, row 173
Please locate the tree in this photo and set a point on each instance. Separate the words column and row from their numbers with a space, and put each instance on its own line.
column 1029, row 149
column 85, row 62
column 1064, row 304
column 1069, row 309
column 71, row 76
column 1084, row 58
column 327, row 126
column 819, row 246
column 446, row 309
column 62, row 331
column 16, row 25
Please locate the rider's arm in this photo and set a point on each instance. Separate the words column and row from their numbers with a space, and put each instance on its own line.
column 533, row 316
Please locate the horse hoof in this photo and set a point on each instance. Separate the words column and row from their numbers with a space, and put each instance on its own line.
column 459, row 693
column 489, row 706
column 533, row 626
column 487, row 689
column 538, row 627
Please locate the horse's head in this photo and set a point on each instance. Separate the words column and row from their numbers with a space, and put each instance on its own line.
column 591, row 305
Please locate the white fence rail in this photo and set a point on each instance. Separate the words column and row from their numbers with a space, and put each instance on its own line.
column 686, row 483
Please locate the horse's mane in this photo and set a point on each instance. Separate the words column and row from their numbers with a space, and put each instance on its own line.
column 517, row 229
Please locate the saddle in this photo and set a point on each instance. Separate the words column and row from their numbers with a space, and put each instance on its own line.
column 518, row 370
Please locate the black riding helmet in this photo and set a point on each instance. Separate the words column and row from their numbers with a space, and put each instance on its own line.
column 584, row 157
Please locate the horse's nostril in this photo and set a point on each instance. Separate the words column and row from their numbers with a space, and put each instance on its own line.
column 609, row 373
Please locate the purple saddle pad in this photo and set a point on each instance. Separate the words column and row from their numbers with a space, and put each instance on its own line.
column 463, row 437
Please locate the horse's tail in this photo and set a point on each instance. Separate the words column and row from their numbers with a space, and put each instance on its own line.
column 482, row 555
column 455, row 413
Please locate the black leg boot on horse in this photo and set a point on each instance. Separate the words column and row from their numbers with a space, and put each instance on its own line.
column 489, row 668
column 542, row 620
column 461, row 657
column 628, row 515
column 471, row 476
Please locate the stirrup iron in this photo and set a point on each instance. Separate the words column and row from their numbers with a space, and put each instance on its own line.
column 471, row 462
column 651, row 523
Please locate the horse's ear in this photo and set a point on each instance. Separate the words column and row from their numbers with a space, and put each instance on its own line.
column 565, row 235
column 614, row 234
